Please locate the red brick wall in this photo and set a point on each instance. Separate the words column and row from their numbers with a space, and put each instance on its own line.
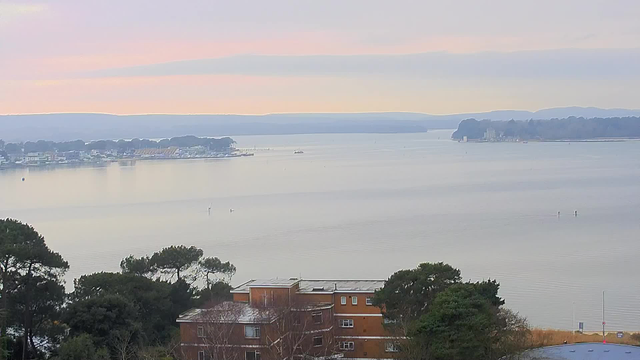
column 241, row 297
column 236, row 334
column 365, row 325
column 362, row 326
column 360, row 308
column 274, row 296
column 307, row 298
column 368, row 348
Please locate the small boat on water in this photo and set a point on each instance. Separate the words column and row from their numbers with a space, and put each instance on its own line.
column 298, row 152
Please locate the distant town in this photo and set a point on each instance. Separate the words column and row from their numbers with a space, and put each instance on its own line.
column 48, row 153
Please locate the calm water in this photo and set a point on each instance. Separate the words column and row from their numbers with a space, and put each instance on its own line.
column 364, row 206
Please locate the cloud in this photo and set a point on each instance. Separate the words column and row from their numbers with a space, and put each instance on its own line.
column 585, row 37
column 12, row 10
column 555, row 64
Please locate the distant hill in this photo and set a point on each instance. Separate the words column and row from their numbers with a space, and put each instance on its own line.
column 66, row 127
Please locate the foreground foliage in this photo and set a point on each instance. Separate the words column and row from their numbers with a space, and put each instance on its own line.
column 128, row 315
column 442, row 318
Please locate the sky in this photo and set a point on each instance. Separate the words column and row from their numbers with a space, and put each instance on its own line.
column 277, row 56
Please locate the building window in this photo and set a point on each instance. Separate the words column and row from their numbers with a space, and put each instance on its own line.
column 317, row 341
column 200, row 331
column 252, row 355
column 391, row 347
column 296, row 319
column 346, row 323
column 369, row 301
column 354, row 300
column 343, row 300
column 317, row 317
column 347, row 345
column 252, row 332
column 200, row 355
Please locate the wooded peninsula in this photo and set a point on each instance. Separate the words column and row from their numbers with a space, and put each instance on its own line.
column 571, row 128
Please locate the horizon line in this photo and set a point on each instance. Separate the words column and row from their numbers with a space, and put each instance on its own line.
column 317, row 113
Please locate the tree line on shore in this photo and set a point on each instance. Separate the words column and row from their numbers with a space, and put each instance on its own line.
column 571, row 128
column 131, row 314
column 119, row 145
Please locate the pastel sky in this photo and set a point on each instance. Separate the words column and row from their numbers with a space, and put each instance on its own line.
column 269, row 56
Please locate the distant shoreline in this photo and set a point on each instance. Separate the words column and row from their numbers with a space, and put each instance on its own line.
column 555, row 141
column 597, row 140
column 108, row 162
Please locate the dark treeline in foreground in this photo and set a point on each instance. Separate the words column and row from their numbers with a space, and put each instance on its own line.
column 571, row 128
column 131, row 315
column 126, row 315
column 222, row 144
column 437, row 316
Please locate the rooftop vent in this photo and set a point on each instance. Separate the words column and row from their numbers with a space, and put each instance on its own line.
column 318, row 288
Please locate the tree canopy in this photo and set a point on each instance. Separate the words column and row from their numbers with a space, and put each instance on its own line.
column 124, row 315
column 213, row 266
column 407, row 294
column 460, row 323
column 28, row 271
column 137, row 266
column 80, row 348
column 133, row 313
column 443, row 318
column 175, row 260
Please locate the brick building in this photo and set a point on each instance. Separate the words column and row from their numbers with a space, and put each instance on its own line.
column 290, row 318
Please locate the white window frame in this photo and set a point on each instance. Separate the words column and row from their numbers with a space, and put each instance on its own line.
column 389, row 321
column 369, row 301
column 316, row 314
column 314, row 341
column 256, row 356
column 347, row 346
column 354, row 300
column 256, row 331
column 201, row 355
column 343, row 300
column 391, row 347
column 200, row 331
column 346, row 323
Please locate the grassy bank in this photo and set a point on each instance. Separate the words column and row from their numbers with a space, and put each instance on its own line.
column 544, row 337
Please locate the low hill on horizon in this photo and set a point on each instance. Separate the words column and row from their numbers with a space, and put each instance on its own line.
column 91, row 126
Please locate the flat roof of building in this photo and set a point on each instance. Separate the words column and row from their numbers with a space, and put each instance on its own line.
column 277, row 283
column 308, row 286
column 314, row 286
column 229, row 312
column 591, row 351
